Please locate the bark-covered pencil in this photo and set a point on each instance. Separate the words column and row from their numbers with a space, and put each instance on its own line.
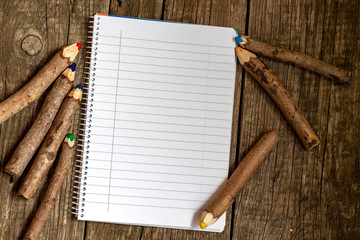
column 39, row 83
column 239, row 178
column 33, row 138
column 298, row 58
column 275, row 88
column 53, row 190
column 49, row 148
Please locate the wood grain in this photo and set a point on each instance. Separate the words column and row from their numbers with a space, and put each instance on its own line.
column 48, row 21
column 56, row 24
column 294, row 194
column 239, row 178
column 33, row 138
column 338, row 211
column 53, row 190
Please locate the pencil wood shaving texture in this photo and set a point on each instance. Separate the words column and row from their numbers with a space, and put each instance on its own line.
column 239, row 178
column 275, row 88
column 53, row 190
column 39, row 83
column 33, row 138
column 298, row 58
column 51, row 144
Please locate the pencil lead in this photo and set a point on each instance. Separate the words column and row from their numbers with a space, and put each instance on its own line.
column 72, row 67
column 79, row 87
column 79, row 45
column 240, row 40
column 203, row 225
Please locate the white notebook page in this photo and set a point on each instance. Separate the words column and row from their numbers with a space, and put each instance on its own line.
column 158, row 122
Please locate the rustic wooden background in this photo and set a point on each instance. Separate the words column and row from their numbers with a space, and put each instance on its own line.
column 295, row 194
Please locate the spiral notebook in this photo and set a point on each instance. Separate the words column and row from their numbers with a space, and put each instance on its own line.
column 156, row 127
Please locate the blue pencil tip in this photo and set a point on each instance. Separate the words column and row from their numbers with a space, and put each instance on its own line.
column 79, row 87
column 238, row 39
column 72, row 67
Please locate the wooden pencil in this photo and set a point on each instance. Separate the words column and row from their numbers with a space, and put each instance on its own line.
column 39, row 83
column 53, row 190
column 298, row 58
column 238, row 179
column 33, row 138
column 49, row 148
column 275, row 88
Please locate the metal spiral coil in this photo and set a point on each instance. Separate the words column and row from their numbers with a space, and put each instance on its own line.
column 79, row 180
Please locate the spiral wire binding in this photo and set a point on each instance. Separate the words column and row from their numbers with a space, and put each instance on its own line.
column 79, row 186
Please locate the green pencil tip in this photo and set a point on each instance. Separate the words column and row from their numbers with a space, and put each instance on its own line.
column 69, row 139
column 70, row 136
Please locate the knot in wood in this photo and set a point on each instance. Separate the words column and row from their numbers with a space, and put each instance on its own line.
column 31, row 45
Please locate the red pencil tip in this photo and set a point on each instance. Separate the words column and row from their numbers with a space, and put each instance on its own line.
column 78, row 45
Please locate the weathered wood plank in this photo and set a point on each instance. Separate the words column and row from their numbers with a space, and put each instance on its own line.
column 286, row 198
column 340, row 190
column 294, row 193
column 55, row 24
column 49, row 22
column 80, row 12
column 263, row 206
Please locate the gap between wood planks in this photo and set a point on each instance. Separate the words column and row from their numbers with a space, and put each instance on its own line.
column 239, row 118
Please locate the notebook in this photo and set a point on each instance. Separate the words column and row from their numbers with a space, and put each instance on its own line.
column 156, row 122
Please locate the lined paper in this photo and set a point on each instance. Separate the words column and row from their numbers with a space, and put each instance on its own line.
column 159, row 115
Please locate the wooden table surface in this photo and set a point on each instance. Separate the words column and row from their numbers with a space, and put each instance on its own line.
column 295, row 194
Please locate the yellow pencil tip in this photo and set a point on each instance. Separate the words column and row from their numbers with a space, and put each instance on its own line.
column 202, row 225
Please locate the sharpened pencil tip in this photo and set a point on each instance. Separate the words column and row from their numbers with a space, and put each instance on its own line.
column 79, row 87
column 76, row 92
column 69, row 139
column 202, row 225
column 78, row 45
column 238, row 39
column 72, row 67
column 70, row 136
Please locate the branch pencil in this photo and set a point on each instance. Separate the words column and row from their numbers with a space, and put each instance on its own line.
column 239, row 178
column 33, row 138
column 298, row 58
column 39, row 83
column 51, row 144
column 53, row 190
column 274, row 87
